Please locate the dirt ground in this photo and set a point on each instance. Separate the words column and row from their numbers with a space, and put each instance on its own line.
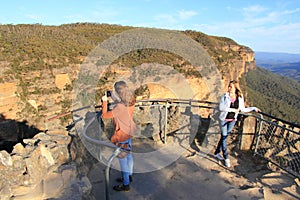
column 198, row 175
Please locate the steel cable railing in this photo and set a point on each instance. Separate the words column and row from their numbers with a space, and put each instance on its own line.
column 162, row 103
column 117, row 150
column 273, row 140
column 278, row 144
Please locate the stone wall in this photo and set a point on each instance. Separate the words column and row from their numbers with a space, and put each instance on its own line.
column 45, row 167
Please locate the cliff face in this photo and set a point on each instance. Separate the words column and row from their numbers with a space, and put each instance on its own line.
column 231, row 58
column 238, row 60
column 38, row 71
column 38, row 95
column 237, row 67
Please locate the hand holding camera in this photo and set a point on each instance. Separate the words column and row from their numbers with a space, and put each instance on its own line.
column 107, row 94
column 104, row 98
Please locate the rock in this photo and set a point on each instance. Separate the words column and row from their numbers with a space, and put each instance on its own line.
column 42, row 136
column 5, row 159
column 33, row 104
column 47, row 155
column 21, row 190
column 41, row 169
column 61, row 80
column 34, row 193
column 85, row 186
column 30, row 142
column 53, row 185
column 35, row 167
column 18, row 149
column 5, row 193
column 68, row 173
column 58, row 132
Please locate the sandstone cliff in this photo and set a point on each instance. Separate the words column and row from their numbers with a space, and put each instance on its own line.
column 37, row 83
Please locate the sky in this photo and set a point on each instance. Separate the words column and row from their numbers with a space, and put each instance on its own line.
column 262, row 25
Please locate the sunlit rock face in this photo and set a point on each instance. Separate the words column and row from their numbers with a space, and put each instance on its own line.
column 42, row 167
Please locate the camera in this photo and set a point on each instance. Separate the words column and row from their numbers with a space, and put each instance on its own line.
column 108, row 93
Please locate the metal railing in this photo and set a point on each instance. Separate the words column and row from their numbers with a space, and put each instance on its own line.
column 278, row 141
column 167, row 103
column 161, row 103
column 275, row 140
column 116, row 151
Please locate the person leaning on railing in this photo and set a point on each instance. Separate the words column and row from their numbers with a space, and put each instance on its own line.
column 124, row 129
column 231, row 103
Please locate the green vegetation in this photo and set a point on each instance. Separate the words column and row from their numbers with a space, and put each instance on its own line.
column 276, row 95
column 139, row 57
column 217, row 47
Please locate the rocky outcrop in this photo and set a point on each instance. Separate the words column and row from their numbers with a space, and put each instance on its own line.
column 44, row 167
column 238, row 65
column 62, row 80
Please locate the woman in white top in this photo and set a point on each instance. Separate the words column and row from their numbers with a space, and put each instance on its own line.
column 231, row 103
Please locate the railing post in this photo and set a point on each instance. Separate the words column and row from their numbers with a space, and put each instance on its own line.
column 107, row 169
column 258, row 134
column 166, row 122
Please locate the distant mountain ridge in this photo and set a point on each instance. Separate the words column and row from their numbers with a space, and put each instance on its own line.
column 284, row 64
column 271, row 57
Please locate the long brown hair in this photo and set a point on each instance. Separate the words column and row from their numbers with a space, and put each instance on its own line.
column 238, row 90
column 126, row 95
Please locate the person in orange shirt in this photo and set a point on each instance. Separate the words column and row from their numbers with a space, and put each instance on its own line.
column 124, row 129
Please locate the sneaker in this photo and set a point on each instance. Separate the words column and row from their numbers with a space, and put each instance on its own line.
column 227, row 162
column 218, row 156
column 121, row 179
column 121, row 187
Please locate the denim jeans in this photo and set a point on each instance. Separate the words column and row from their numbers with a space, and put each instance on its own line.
column 226, row 127
column 126, row 164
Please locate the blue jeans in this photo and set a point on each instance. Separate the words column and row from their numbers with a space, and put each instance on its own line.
column 226, row 127
column 126, row 164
